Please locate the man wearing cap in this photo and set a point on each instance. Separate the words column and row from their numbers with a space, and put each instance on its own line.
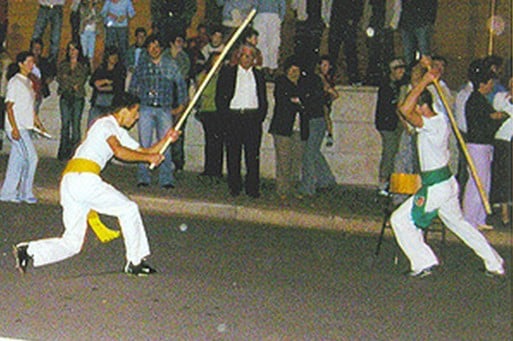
column 386, row 121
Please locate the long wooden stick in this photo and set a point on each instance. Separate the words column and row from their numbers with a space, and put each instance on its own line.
column 490, row 29
column 209, row 76
column 472, row 167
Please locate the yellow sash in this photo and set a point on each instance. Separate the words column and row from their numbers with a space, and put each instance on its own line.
column 103, row 233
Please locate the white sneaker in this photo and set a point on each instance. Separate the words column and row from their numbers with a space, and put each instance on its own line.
column 383, row 193
column 495, row 273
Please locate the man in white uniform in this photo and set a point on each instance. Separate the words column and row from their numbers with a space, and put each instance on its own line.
column 83, row 190
column 439, row 192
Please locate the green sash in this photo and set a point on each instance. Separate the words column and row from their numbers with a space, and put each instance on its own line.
column 421, row 218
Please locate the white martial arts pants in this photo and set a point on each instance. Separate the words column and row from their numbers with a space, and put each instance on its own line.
column 443, row 196
column 268, row 26
column 80, row 193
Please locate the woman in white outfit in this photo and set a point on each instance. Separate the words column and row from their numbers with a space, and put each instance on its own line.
column 20, row 119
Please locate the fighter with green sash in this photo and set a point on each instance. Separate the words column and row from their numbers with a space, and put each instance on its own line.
column 411, row 218
column 422, row 218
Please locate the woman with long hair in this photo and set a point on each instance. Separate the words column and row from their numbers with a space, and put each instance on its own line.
column 326, row 70
column 107, row 80
column 72, row 75
column 21, row 118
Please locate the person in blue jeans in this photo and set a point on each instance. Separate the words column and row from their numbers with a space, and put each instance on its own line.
column 158, row 82
column 72, row 75
column 50, row 12
column 315, row 173
column 116, row 14
column 20, row 118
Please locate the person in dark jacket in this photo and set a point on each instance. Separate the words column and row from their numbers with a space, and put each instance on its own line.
column 386, row 120
column 289, row 127
column 345, row 16
column 315, row 172
column 483, row 121
column 242, row 97
column 107, row 80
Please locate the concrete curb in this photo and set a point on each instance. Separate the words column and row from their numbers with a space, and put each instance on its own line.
column 282, row 217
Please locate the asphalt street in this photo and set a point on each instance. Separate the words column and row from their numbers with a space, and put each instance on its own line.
column 222, row 280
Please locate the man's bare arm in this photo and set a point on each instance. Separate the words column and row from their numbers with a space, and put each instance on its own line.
column 407, row 108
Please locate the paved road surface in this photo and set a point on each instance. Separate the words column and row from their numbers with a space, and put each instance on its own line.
column 226, row 281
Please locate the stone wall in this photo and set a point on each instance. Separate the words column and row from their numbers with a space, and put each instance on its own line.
column 354, row 157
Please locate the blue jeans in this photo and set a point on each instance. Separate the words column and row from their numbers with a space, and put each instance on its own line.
column 157, row 120
column 88, row 42
column 414, row 40
column 177, row 149
column 315, row 172
column 52, row 16
column 21, row 169
column 71, row 116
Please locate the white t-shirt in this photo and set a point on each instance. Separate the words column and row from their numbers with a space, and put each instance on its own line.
column 502, row 102
column 433, row 143
column 36, row 71
column 95, row 146
column 459, row 106
column 21, row 93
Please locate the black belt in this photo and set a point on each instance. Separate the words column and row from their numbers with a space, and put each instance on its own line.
column 244, row 111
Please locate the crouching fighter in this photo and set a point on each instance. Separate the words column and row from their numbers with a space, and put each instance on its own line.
column 82, row 190
column 439, row 192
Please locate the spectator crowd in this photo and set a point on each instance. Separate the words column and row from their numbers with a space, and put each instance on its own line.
column 163, row 66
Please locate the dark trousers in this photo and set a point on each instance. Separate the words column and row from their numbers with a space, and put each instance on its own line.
column 71, row 117
column 380, row 46
column 462, row 175
column 2, row 120
column 344, row 30
column 214, row 127
column 243, row 131
column 501, row 172
column 74, row 21
column 52, row 16
column 308, row 41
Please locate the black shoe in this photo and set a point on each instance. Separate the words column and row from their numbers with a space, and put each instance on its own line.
column 143, row 184
column 255, row 195
column 168, row 186
column 329, row 140
column 22, row 257
column 142, row 269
